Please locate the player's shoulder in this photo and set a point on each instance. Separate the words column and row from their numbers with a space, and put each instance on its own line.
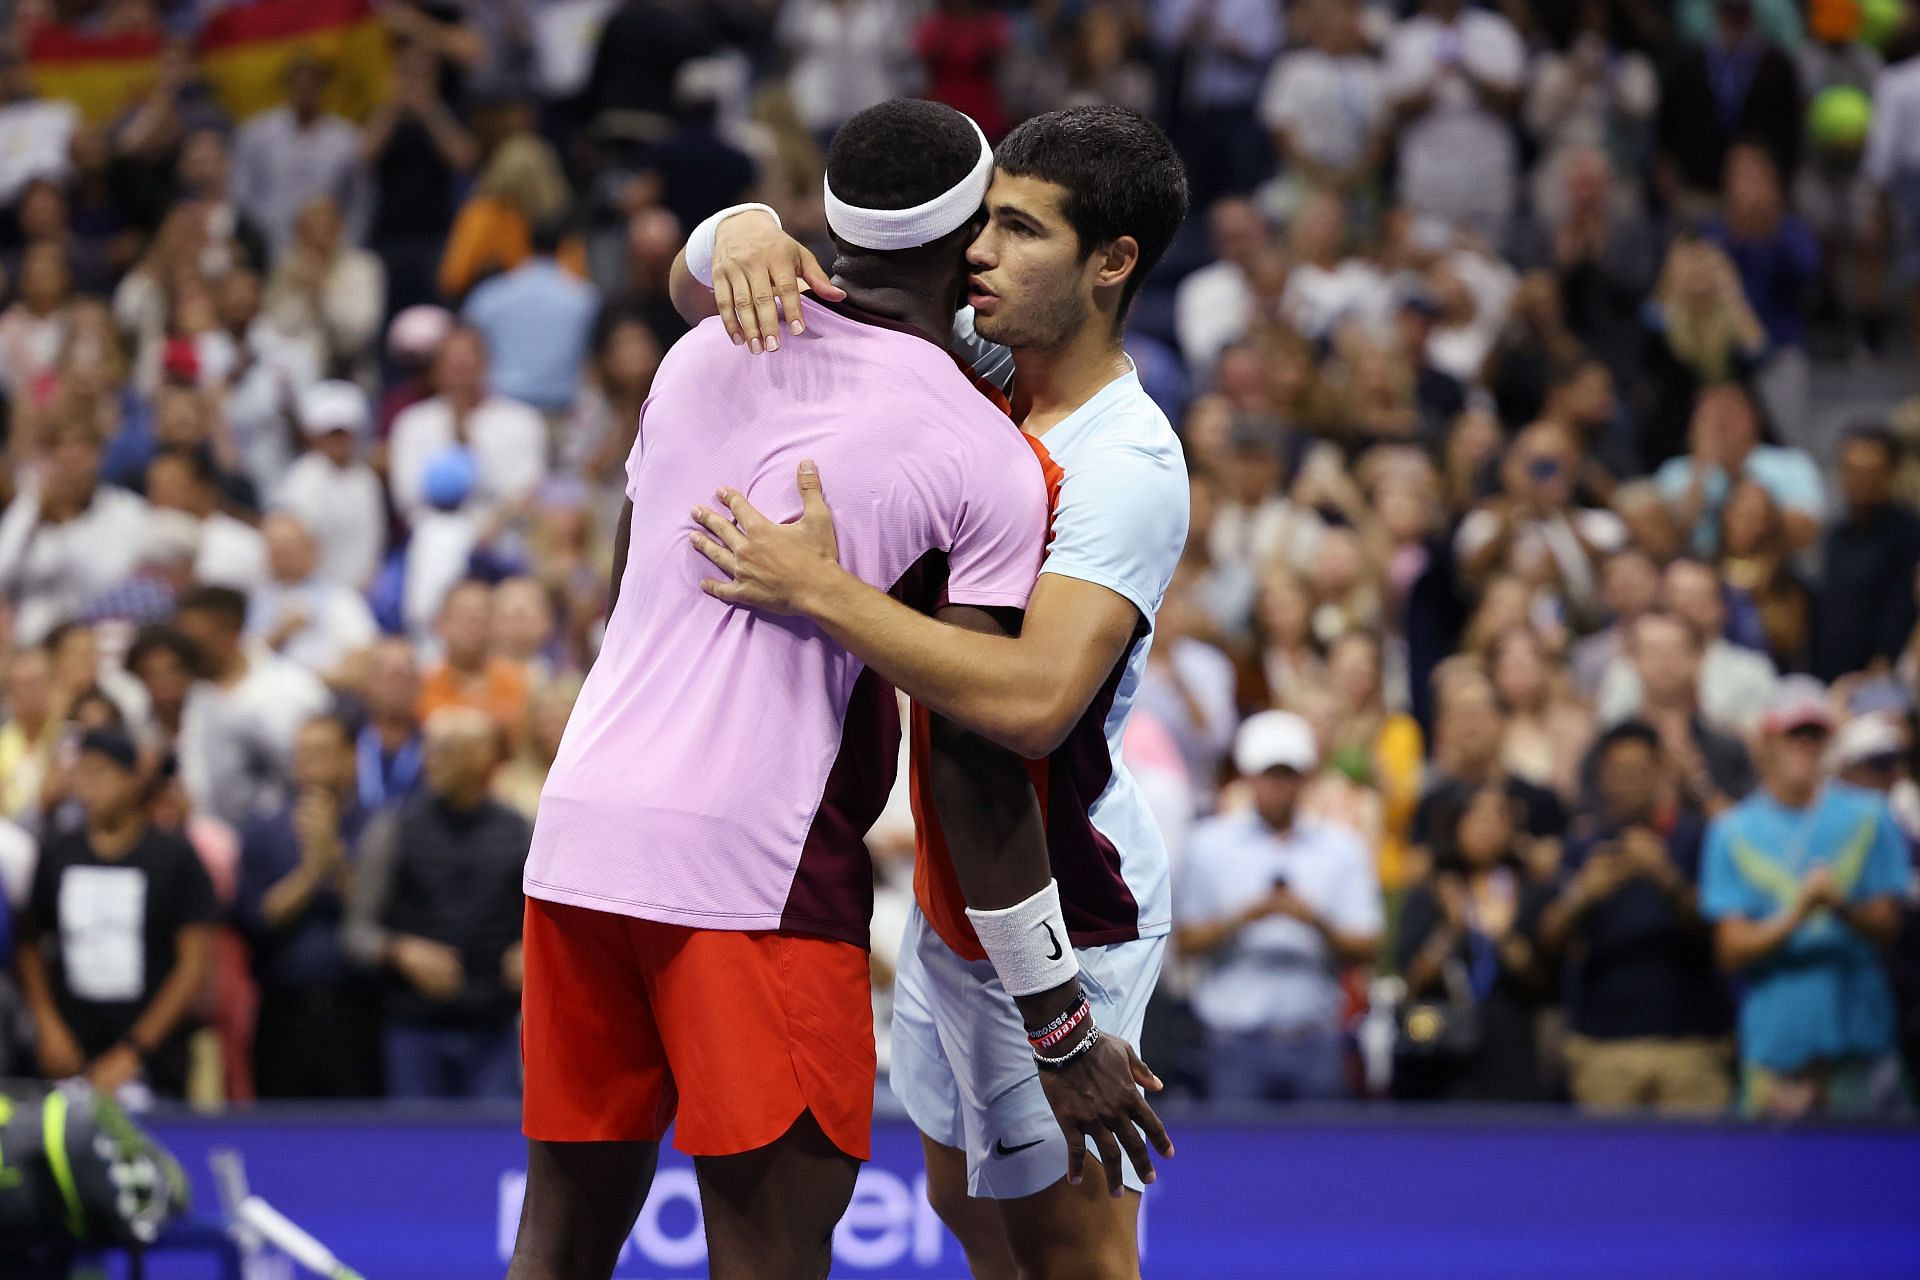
column 1121, row 430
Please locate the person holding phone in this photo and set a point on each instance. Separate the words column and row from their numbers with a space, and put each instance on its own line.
column 1274, row 907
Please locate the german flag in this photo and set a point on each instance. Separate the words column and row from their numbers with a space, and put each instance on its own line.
column 244, row 52
column 103, row 75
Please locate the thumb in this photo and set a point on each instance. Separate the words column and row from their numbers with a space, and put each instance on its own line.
column 818, row 280
column 812, row 501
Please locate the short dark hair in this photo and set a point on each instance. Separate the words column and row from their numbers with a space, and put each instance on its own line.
column 901, row 153
column 224, row 603
column 159, row 638
column 197, row 458
column 1122, row 175
column 1874, row 433
column 1635, row 731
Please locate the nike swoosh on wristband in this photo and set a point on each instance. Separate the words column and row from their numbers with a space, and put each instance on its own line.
column 1002, row 1150
column 1057, row 952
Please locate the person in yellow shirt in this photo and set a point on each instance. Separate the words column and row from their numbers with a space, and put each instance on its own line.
column 31, row 731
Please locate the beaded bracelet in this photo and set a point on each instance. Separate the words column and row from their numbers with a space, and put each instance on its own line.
column 1060, row 1063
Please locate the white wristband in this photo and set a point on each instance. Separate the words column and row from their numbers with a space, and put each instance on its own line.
column 1028, row 943
column 700, row 243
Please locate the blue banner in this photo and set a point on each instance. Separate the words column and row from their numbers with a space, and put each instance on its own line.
column 1363, row 1192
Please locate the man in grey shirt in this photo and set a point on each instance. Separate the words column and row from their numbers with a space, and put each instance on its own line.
column 290, row 155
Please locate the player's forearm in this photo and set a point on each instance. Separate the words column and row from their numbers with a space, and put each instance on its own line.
column 693, row 300
column 1000, row 687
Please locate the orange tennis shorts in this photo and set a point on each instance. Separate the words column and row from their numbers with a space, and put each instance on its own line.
column 630, row 1026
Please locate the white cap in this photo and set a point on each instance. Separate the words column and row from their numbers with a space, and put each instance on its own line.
column 169, row 537
column 334, row 406
column 1866, row 738
column 1275, row 740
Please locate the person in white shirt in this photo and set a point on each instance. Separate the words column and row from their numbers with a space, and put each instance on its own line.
column 847, row 55
column 1736, row 684
column 1213, row 307
column 334, row 493
column 241, row 717
column 65, row 537
column 1325, row 104
column 232, row 553
column 1273, row 907
column 1455, row 77
column 302, row 616
column 508, row 439
column 1326, row 290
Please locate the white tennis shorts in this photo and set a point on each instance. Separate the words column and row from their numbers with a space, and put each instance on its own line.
column 962, row 1068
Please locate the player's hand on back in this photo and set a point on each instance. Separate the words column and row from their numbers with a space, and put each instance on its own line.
column 1097, row 1095
column 755, row 263
column 770, row 566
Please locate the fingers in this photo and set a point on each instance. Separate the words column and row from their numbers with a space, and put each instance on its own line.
column 766, row 315
column 722, row 529
column 1110, row 1160
column 743, row 511
column 746, row 318
column 1136, row 1149
column 723, row 559
column 788, row 286
column 818, row 280
column 812, row 501
column 1149, row 1121
column 1143, row 1074
column 730, row 592
column 1076, row 1158
column 723, row 305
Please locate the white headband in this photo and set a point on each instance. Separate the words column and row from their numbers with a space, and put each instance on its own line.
column 888, row 229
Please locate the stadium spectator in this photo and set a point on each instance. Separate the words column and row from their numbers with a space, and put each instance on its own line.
column 229, row 552
column 116, row 940
column 1700, row 333
column 328, row 291
column 1864, row 608
column 1466, row 946
column 1778, row 260
column 1324, row 106
column 1629, row 587
column 1650, row 1017
column 318, row 1034
column 1733, row 683
column 315, row 622
column 436, row 908
column 1669, row 672
column 1737, row 85
column 30, row 734
column 507, row 438
column 293, row 154
column 521, row 187
column 1213, row 307
column 1454, row 75
column 1221, row 49
column 1468, row 757
column 1759, row 581
column 1802, row 881
column 418, row 149
column 1725, row 444
column 164, row 661
column 961, row 46
column 845, row 56
column 332, row 490
column 387, row 748
column 33, row 328
column 472, row 672
column 1275, row 908
column 519, row 781
column 525, row 630
column 1547, row 727
column 537, row 321
column 239, row 723
column 66, row 535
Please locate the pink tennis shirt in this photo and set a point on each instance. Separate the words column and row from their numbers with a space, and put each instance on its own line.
column 722, row 766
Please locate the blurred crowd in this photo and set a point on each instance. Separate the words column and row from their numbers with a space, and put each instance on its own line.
column 1533, row 713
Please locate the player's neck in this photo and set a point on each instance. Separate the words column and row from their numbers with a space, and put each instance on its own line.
column 1049, row 385
column 924, row 306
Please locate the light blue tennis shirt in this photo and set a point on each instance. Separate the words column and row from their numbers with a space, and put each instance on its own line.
column 1824, row 994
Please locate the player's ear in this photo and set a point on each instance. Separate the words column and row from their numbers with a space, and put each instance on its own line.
column 1116, row 262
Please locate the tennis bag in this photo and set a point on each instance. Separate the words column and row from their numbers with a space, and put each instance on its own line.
column 73, row 1168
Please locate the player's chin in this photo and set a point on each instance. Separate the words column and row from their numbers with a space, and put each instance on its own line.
column 997, row 326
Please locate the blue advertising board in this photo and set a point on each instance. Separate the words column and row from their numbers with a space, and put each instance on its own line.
column 1352, row 1193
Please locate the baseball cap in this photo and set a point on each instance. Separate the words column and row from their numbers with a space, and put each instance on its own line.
column 1864, row 738
column 169, row 537
column 334, row 405
column 114, row 744
column 417, row 332
column 1275, row 740
column 1800, row 702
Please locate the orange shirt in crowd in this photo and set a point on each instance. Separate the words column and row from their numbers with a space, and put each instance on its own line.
column 501, row 691
column 491, row 235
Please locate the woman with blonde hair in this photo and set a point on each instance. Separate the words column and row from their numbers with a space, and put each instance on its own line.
column 1701, row 332
column 1548, row 727
column 521, row 186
